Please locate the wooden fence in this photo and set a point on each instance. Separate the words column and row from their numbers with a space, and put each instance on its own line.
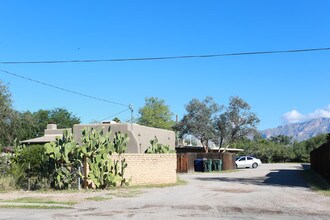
column 320, row 160
column 185, row 161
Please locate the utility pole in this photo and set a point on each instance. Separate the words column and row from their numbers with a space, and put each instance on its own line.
column 131, row 108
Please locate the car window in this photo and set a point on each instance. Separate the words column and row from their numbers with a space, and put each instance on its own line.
column 242, row 159
column 249, row 158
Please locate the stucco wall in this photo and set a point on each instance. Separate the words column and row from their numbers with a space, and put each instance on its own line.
column 147, row 169
column 139, row 136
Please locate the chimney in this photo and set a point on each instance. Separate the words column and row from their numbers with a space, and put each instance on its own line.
column 51, row 127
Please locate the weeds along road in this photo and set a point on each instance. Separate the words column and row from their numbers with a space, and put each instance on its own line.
column 272, row 191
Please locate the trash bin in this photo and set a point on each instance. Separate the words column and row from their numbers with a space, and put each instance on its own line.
column 207, row 163
column 217, row 163
column 198, row 165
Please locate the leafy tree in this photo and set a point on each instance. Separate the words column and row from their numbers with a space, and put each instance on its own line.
column 8, row 116
column 199, row 120
column 41, row 118
column 26, row 126
column 155, row 113
column 37, row 122
column 116, row 120
column 63, row 118
column 236, row 122
column 282, row 139
column 273, row 151
column 315, row 142
column 221, row 129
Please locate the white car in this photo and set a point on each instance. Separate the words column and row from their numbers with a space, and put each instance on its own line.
column 247, row 162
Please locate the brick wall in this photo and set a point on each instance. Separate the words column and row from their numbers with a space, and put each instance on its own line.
column 147, row 169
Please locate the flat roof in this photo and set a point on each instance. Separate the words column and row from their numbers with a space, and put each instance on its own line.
column 43, row 139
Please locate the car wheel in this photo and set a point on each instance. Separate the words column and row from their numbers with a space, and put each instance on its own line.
column 254, row 165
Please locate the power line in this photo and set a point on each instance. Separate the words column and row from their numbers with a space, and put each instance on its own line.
column 168, row 57
column 115, row 114
column 111, row 116
column 63, row 89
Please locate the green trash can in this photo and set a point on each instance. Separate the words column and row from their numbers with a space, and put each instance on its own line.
column 207, row 163
column 217, row 163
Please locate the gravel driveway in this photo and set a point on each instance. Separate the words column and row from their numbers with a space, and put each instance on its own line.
column 272, row 191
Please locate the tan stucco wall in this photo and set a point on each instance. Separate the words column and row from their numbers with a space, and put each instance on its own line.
column 144, row 169
column 139, row 136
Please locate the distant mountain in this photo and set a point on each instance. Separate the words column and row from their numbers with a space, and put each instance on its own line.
column 300, row 131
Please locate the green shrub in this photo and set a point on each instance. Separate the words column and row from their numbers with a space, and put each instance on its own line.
column 30, row 166
column 7, row 183
column 4, row 164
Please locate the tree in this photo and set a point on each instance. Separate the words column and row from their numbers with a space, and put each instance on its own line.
column 25, row 125
column 221, row 129
column 155, row 113
column 281, row 139
column 8, row 116
column 60, row 116
column 116, row 120
column 236, row 122
column 63, row 118
column 199, row 120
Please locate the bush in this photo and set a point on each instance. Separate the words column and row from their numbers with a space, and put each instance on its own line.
column 4, row 164
column 269, row 151
column 7, row 183
column 30, row 166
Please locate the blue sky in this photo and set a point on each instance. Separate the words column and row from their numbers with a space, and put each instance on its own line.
column 280, row 88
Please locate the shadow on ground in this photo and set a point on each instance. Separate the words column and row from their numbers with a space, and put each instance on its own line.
column 278, row 177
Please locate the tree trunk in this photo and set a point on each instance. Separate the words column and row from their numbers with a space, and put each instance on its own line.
column 220, row 144
column 205, row 146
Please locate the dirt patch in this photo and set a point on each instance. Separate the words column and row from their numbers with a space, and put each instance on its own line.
column 247, row 194
column 193, row 207
column 248, row 210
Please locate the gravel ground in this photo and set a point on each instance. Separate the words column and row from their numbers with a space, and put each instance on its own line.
column 272, row 191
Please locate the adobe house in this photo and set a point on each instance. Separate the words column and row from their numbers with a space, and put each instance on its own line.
column 139, row 136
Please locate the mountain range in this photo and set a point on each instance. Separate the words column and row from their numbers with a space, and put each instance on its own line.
column 300, row 131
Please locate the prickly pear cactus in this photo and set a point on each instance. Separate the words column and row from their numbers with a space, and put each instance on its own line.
column 62, row 152
column 96, row 150
column 157, row 148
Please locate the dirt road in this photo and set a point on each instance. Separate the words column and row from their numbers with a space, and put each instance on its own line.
column 272, row 191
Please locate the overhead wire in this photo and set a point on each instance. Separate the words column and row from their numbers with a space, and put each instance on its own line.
column 139, row 59
column 63, row 89
column 168, row 57
column 118, row 113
